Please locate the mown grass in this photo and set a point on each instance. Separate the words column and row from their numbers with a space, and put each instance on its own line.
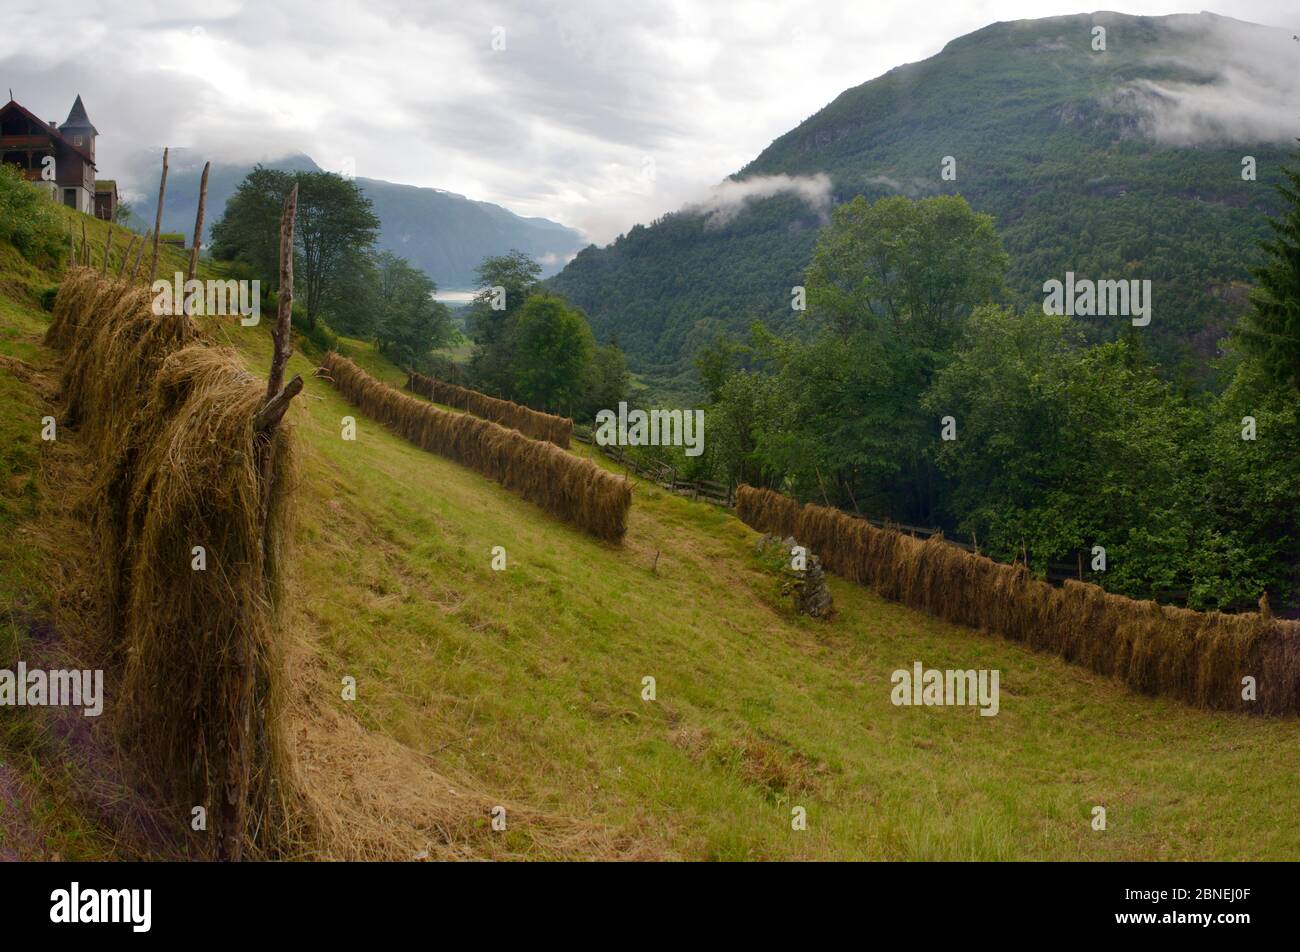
column 530, row 681
column 41, row 813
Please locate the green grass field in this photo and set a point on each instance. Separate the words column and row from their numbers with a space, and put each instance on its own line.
column 528, row 682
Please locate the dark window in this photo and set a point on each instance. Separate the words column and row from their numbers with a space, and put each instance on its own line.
column 70, row 197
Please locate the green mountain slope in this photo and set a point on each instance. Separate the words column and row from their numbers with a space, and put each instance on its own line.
column 1078, row 154
column 443, row 234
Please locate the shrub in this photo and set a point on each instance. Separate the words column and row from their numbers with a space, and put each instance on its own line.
column 28, row 220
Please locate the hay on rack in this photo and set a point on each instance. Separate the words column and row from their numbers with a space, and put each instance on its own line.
column 168, row 422
column 538, row 425
column 574, row 489
column 1196, row 657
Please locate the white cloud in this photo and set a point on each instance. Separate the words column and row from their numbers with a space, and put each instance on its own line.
column 725, row 200
column 562, row 123
column 1246, row 86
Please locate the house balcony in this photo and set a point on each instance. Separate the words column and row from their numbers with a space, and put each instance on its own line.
column 26, row 143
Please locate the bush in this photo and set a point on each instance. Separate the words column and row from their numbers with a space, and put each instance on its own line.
column 28, row 220
column 48, row 296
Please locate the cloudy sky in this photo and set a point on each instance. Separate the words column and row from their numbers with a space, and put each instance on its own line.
column 594, row 113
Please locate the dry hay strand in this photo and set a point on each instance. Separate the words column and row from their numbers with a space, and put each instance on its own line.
column 574, row 489
column 532, row 423
column 375, row 799
column 1200, row 658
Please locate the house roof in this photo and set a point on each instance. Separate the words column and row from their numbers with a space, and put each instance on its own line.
column 46, row 128
column 105, row 185
column 77, row 118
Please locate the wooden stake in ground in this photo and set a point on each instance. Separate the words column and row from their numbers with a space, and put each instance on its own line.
column 198, row 224
column 284, row 317
column 108, row 247
column 85, row 245
column 157, row 222
column 139, row 256
column 126, row 258
column 72, row 241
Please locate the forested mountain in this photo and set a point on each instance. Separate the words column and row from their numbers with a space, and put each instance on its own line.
column 1117, row 163
column 443, row 234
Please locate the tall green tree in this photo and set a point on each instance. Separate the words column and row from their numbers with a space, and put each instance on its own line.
column 607, row 381
column 249, row 228
column 551, row 347
column 335, row 224
column 410, row 322
column 505, row 282
column 915, row 268
column 1270, row 333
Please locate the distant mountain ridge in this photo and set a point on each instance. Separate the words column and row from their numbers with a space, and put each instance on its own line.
column 1122, row 163
column 443, row 234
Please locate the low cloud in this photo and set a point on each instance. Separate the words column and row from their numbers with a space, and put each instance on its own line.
column 1243, row 85
column 727, row 199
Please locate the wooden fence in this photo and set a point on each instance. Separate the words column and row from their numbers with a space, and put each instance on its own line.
column 664, row 475
column 722, row 494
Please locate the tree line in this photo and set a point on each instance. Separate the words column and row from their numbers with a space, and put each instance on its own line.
column 530, row 345
column 345, row 282
column 1059, row 443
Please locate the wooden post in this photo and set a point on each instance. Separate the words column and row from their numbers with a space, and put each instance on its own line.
column 243, row 732
column 157, row 222
column 283, row 338
column 121, row 268
column 198, row 223
column 72, row 242
column 139, row 256
column 108, row 248
column 85, row 245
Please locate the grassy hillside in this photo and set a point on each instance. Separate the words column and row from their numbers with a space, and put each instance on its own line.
column 523, row 687
column 1050, row 137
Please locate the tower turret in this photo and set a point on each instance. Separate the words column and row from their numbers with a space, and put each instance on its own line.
column 79, row 129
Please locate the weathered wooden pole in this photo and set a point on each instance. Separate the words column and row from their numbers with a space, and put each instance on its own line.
column 85, row 245
column 284, row 317
column 72, row 242
column 139, row 256
column 198, row 223
column 126, row 258
column 108, row 248
column 245, row 728
column 157, row 222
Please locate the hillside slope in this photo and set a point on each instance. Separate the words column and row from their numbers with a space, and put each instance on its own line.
column 1123, row 163
column 524, row 687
